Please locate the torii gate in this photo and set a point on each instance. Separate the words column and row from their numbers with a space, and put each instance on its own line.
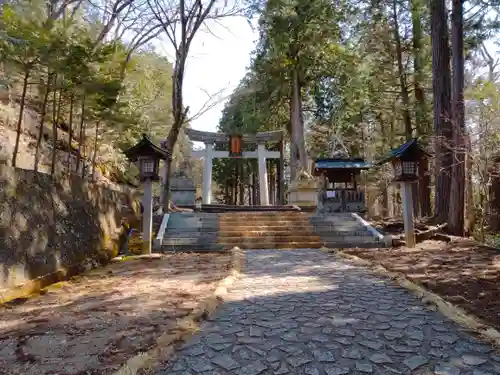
column 211, row 138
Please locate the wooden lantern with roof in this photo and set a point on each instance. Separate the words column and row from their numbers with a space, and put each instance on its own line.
column 147, row 157
column 405, row 160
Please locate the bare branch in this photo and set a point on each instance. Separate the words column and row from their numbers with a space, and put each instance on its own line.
column 209, row 104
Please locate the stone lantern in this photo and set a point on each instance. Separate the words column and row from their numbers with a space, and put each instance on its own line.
column 147, row 157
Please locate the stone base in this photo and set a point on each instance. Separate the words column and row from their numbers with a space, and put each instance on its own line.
column 303, row 193
column 185, row 197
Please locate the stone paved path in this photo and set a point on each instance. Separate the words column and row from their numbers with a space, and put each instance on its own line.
column 307, row 312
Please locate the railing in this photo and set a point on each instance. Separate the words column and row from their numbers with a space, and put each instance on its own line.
column 349, row 195
column 342, row 200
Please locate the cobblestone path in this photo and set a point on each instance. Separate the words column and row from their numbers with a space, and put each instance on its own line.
column 307, row 312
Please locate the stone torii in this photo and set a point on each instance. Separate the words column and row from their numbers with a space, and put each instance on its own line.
column 262, row 154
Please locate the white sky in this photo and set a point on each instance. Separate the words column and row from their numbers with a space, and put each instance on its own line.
column 217, row 61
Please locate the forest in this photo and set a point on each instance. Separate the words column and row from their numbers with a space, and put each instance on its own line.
column 81, row 81
column 375, row 74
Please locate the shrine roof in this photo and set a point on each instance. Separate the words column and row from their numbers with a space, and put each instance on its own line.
column 357, row 163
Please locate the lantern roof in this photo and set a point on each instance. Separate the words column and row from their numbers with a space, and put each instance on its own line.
column 145, row 147
column 410, row 150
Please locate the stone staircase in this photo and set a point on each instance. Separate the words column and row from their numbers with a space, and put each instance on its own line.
column 195, row 231
column 343, row 230
column 191, row 231
column 267, row 230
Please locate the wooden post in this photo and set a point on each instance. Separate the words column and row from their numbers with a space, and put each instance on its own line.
column 147, row 216
column 407, row 198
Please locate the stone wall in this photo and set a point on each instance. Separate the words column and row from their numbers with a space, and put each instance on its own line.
column 50, row 225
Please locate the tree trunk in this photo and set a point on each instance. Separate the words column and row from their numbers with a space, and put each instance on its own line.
column 179, row 114
column 441, row 88
column 421, row 120
column 405, row 97
column 424, row 188
column 20, row 118
column 293, row 148
column 457, row 189
column 54, row 128
column 42, row 122
column 469, row 193
column 402, row 76
column 96, row 144
column 494, row 193
column 70, row 130
column 81, row 136
column 298, row 121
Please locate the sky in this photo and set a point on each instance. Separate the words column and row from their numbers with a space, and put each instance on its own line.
column 216, row 63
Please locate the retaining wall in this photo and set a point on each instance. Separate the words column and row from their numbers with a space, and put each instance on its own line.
column 49, row 226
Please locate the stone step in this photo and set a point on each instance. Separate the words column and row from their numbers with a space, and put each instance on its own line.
column 188, row 248
column 260, row 225
column 345, row 226
column 213, row 246
column 178, row 221
column 188, row 240
column 362, row 238
column 337, row 232
column 337, row 222
column 261, row 233
column 266, row 224
column 228, row 246
column 361, row 244
column 274, row 245
column 243, row 229
column 264, row 220
column 182, row 239
column 251, row 230
column 269, row 238
column 339, row 228
column 264, row 213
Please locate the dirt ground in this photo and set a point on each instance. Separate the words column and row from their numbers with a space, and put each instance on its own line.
column 462, row 271
column 94, row 323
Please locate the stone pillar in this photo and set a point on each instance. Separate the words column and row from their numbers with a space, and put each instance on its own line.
column 264, row 194
column 281, row 173
column 207, row 174
column 147, row 216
